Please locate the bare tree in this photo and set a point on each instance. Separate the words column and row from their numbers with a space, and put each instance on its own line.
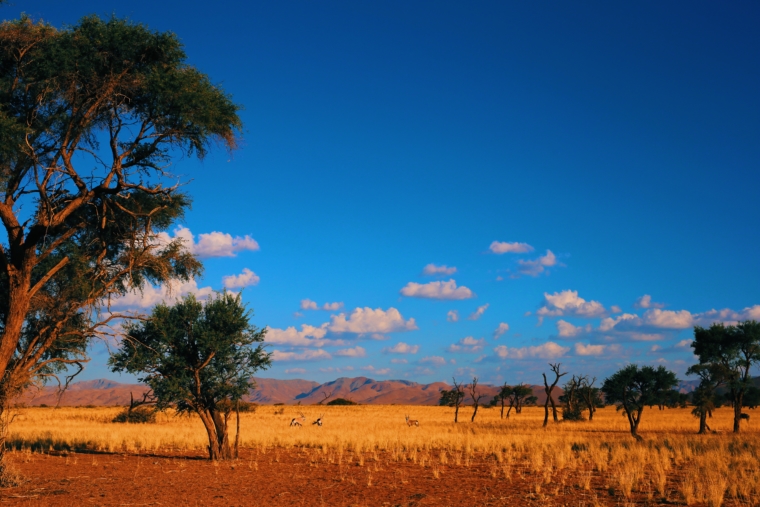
column 476, row 397
column 591, row 397
column 549, row 399
column 326, row 396
column 504, row 393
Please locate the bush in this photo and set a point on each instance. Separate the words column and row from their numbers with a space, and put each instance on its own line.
column 572, row 414
column 140, row 415
column 341, row 401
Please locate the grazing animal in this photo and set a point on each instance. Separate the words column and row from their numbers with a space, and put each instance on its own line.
column 318, row 422
column 412, row 422
column 298, row 421
column 744, row 416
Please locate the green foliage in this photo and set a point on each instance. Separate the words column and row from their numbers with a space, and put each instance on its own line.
column 90, row 117
column 632, row 388
column 193, row 356
column 451, row 398
column 341, row 401
column 139, row 415
column 727, row 354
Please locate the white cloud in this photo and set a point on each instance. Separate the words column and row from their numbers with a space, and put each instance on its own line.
column 352, row 352
column 399, row 361
column 727, row 316
column 537, row 266
column 668, row 319
column 654, row 348
column 502, row 247
column 548, row 350
column 432, row 269
column 503, row 328
column 645, row 301
column 306, row 355
column 615, row 309
column 452, row 316
column 244, row 279
column 308, row 304
column 468, row 344
column 308, row 336
column 367, row 320
column 437, row 290
column 295, row 370
column 168, row 294
column 402, row 348
column 684, row 343
column 213, row 244
column 479, row 312
column 609, row 323
column 567, row 330
column 589, row 350
column 376, row 371
column 433, row 360
column 567, row 303
column 332, row 369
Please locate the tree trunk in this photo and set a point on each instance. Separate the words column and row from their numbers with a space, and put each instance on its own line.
column 474, row 413
column 502, row 408
column 702, row 422
column 737, row 415
column 456, row 413
column 546, row 412
column 554, row 409
column 216, row 429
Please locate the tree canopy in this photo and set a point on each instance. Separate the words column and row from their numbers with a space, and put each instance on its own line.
column 728, row 354
column 632, row 388
column 90, row 119
column 197, row 358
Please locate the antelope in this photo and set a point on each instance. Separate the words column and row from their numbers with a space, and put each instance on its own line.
column 412, row 422
column 744, row 417
column 298, row 421
column 318, row 422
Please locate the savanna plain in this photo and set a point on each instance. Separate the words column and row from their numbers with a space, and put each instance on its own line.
column 367, row 455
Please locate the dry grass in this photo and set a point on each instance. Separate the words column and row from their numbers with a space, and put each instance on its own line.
column 672, row 462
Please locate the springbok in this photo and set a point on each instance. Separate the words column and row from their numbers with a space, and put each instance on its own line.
column 412, row 422
column 318, row 422
column 298, row 421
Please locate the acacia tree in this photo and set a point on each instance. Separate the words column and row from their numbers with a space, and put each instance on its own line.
column 90, row 117
column 520, row 395
column 731, row 352
column 632, row 388
column 590, row 397
column 453, row 398
column 572, row 400
column 548, row 389
column 504, row 393
column 198, row 358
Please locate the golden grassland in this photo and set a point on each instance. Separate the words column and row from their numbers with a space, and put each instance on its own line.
column 672, row 458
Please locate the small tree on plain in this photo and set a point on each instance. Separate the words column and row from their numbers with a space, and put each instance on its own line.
column 632, row 388
column 573, row 409
column 549, row 388
column 476, row 396
column 731, row 351
column 198, row 358
column 590, row 397
column 503, row 394
column 520, row 395
column 453, row 398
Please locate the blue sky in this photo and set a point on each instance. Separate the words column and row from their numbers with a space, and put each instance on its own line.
column 567, row 159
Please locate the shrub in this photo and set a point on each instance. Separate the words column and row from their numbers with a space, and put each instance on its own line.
column 341, row 401
column 138, row 415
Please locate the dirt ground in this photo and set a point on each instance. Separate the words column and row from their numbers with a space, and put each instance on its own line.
column 294, row 477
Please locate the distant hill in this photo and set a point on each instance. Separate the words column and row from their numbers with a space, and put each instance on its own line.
column 363, row 390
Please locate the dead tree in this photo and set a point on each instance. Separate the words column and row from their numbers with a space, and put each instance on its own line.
column 476, row 397
column 590, row 396
column 327, row 396
column 549, row 399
